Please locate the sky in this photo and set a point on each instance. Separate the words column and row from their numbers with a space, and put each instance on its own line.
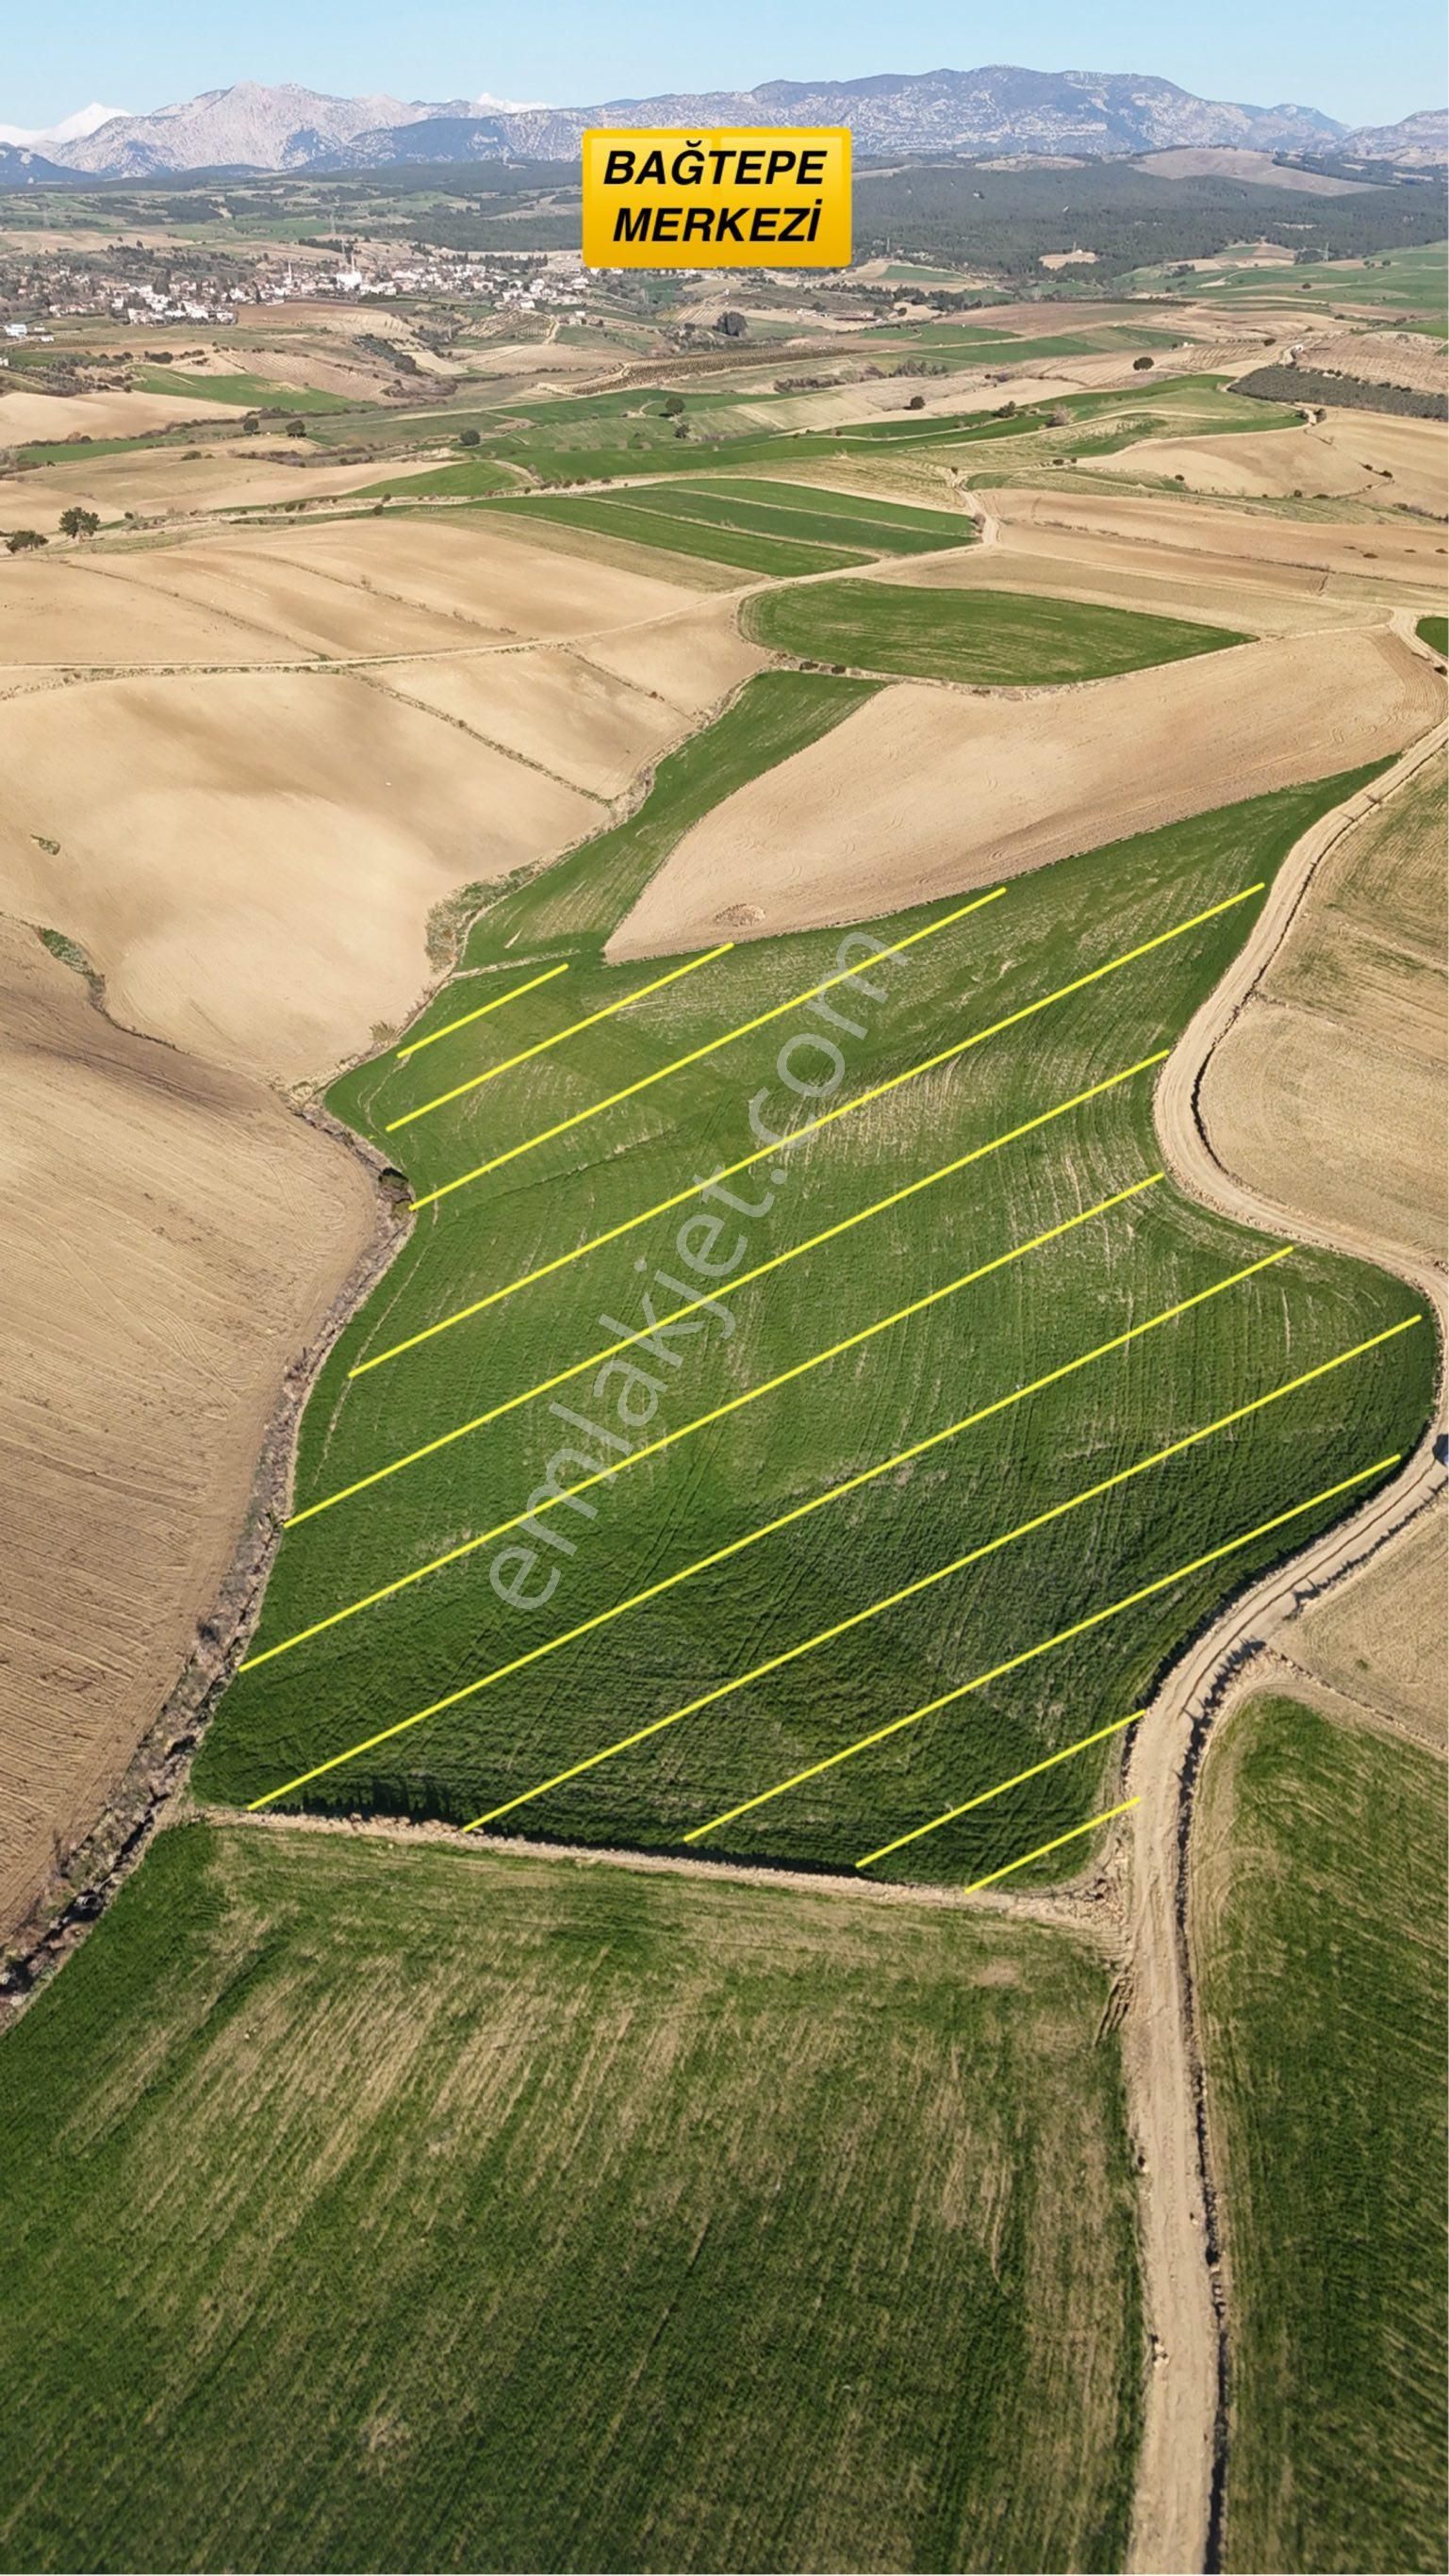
column 1321, row 53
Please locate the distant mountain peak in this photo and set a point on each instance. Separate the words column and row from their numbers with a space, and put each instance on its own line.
column 997, row 108
column 71, row 129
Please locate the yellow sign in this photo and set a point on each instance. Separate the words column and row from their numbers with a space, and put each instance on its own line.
column 754, row 196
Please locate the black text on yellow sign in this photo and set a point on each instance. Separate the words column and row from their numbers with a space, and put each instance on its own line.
column 756, row 196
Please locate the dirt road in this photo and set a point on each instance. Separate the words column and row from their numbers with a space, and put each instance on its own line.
column 1175, row 2520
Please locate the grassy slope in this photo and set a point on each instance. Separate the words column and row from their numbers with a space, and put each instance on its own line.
column 245, row 392
column 369, row 2207
column 1323, row 1987
column 989, row 637
column 453, row 1627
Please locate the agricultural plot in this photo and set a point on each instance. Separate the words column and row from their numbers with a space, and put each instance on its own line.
column 623, row 517
column 990, row 1430
column 1320, row 1910
column 481, row 2212
column 983, row 638
column 771, row 528
column 594, row 886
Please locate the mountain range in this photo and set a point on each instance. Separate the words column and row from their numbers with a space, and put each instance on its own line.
column 998, row 109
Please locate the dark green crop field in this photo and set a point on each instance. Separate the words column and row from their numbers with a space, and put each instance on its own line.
column 806, row 511
column 1321, row 1967
column 990, row 638
column 522, row 1593
column 370, row 2207
column 777, row 528
column 765, row 547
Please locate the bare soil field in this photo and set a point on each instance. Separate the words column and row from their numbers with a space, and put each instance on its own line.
column 581, row 724
column 250, row 859
column 1362, row 455
column 924, row 792
column 497, row 579
column 158, row 484
column 1409, row 358
column 27, row 416
column 80, row 611
column 250, row 856
column 1235, row 161
column 173, row 1239
column 1267, row 599
column 689, row 657
column 1378, row 1639
column 1362, row 559
column 1329, row 1093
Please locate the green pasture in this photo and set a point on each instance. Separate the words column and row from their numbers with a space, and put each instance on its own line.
column 1323, row 1989
column 704, row 1492
column 370, row 2207
column 1434, row 631
column 987, row 638
column 245, row 392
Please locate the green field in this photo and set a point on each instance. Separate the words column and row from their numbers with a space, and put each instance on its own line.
column 370, row 2207
column 760, row 549
column 990, row 638
column 1434, row 631
column 805, row 512
column 777, row 528
column 1401, row 289
column 727, row 1481
column 1323, row 1988
column 247, row 393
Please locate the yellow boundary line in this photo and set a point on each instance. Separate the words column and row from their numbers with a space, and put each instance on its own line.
column 574, row 1030
column 733, row 1404
column 984, row 1797
column 669, row 1582
column 795, row 1136
column 1042, row 1849
column 725, row 1288
column 873, row 1610
column 1014, row 1663
column 514, row 994
column 646, row 1082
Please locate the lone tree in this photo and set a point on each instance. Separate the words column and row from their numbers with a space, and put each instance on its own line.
column 672, row 406
column 23, row 541
column 296, row 429
column 1140, row 366
column 76, row 522
column 470, row 438
column 733, row 325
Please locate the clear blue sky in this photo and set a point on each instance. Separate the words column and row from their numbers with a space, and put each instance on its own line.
column 1363, row 66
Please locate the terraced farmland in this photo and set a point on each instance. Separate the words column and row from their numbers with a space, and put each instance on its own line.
column 986, row 638
column 979, row 1349
column 380, row 2207
column 1320, row 1914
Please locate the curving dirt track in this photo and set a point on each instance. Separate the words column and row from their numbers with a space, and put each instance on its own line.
column 1180, row 2464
